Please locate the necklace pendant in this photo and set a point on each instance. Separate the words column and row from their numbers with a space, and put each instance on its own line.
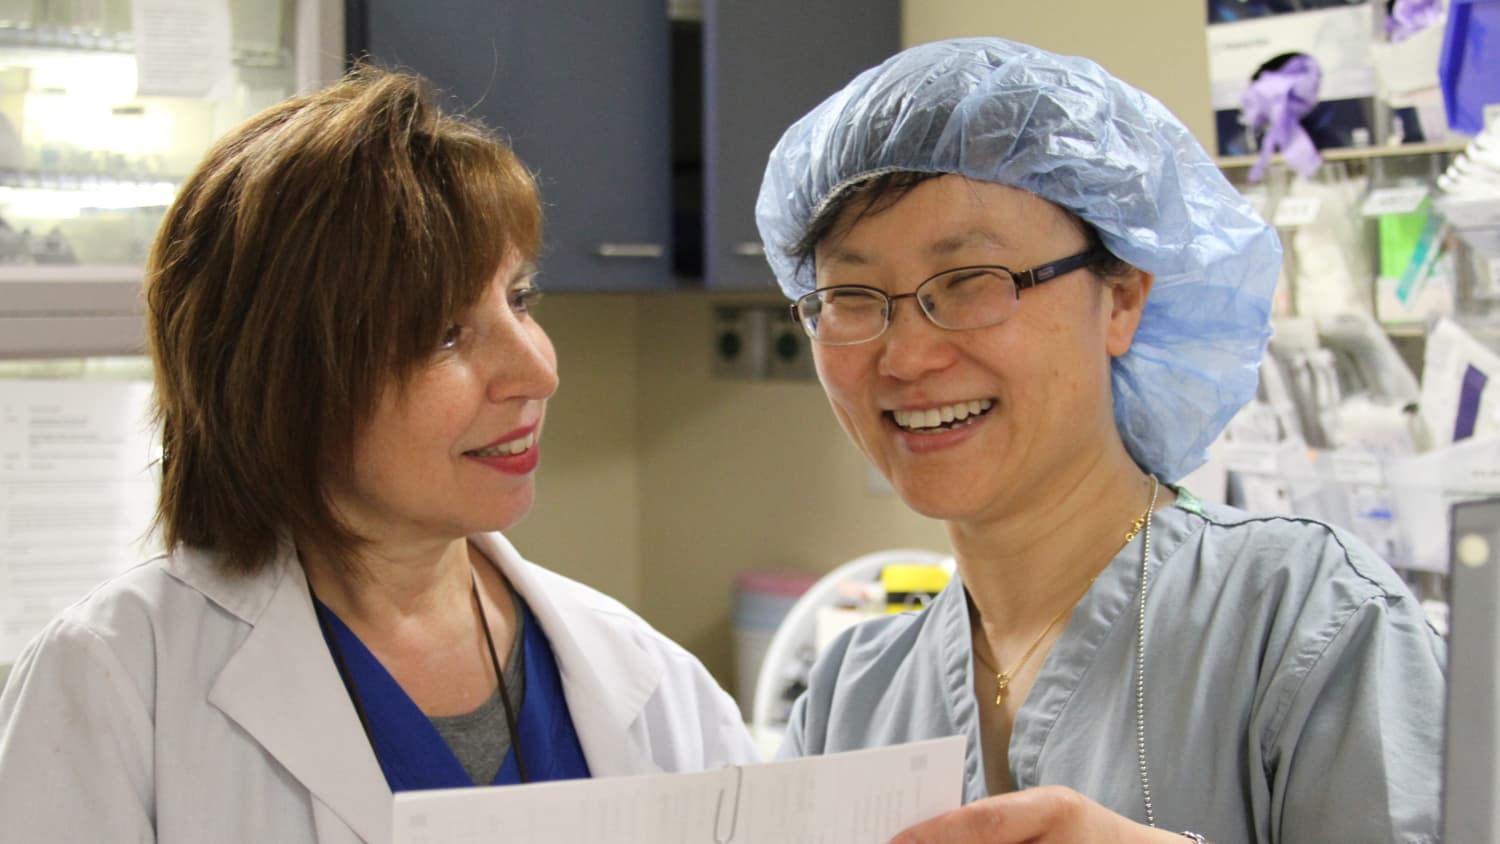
column 1002, row 687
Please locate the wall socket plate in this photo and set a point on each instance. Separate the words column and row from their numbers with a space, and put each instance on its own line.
column 759, row 342
column 789, row 349
column 738, row 342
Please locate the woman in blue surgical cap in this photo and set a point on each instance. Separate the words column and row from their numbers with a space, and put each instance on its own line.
column 1034, row 303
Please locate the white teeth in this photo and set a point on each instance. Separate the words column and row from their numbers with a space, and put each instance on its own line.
column 933, row 417
column 518, row 446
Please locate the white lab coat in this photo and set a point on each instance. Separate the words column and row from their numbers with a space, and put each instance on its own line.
column 180, row 704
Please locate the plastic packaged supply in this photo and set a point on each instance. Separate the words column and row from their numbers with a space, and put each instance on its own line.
column 1469, row 68
column 1460, row 386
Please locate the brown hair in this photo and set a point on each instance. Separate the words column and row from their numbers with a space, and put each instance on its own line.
column 313, row 258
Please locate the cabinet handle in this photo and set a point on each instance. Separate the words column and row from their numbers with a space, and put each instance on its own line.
column 750, row 249
column 628, row 250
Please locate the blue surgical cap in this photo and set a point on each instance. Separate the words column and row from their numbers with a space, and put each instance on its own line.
column 1065, row 130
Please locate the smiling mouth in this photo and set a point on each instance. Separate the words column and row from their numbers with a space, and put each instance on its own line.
column 937, row 419
column 511, row 448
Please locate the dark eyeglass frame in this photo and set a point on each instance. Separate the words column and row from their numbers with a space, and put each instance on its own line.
column 1024, row 279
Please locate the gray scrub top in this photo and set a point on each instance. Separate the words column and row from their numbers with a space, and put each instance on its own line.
column 1294, row 689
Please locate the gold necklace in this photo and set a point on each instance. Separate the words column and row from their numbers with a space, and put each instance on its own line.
column 1003, row 678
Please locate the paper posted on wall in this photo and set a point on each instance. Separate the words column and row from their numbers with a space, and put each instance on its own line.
column 78, row 486
column 859, row 797
column 183, row 48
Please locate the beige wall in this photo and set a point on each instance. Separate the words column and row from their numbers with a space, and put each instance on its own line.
column 585, row 522
column 1158, row 46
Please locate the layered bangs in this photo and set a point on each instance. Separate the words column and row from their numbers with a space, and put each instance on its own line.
column 480, row 208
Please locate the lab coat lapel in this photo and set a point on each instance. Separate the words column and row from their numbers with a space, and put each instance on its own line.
column 283, row 688
column 607, row 677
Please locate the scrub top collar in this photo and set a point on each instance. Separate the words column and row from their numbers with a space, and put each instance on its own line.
column 1107, row 603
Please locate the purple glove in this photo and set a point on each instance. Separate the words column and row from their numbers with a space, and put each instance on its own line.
column 1276, row 101
column 1408, row 17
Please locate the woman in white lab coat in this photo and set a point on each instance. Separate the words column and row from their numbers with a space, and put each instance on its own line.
column 351, row 388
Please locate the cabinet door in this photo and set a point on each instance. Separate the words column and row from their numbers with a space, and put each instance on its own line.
column 767, row 63
column 580, row 91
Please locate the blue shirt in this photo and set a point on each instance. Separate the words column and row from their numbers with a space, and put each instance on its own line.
column 411, row 752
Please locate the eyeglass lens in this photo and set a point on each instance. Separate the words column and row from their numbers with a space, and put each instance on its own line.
column 968, row 297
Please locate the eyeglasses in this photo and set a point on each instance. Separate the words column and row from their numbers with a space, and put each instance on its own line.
column 956, row 299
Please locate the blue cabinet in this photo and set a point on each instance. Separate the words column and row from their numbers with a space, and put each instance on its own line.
column 649, row 136
column 581, row 95
column 765, row 65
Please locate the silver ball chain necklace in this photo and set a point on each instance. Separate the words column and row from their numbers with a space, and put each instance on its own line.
column 1003, row 678
column 1140, row 660
column 1140, row 673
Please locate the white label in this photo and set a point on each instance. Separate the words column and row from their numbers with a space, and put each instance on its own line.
column 1293, row 211
column 1254, row 458
column 1355, row 467
column 1479, row 477
column 1401, row 200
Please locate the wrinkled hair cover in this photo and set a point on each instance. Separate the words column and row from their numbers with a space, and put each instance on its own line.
column 1065, row 130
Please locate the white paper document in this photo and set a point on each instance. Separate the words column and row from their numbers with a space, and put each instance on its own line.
column 860, row 797
column 182, row 47
column 77, row 489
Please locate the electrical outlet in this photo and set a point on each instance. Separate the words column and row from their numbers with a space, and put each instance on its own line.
column 739, row 342
column 789, row 351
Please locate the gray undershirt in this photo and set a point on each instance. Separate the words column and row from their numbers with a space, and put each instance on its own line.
column 480, row 738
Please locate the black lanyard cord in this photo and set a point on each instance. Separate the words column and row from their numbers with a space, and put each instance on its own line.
column 510, row 712
column 359, row 708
